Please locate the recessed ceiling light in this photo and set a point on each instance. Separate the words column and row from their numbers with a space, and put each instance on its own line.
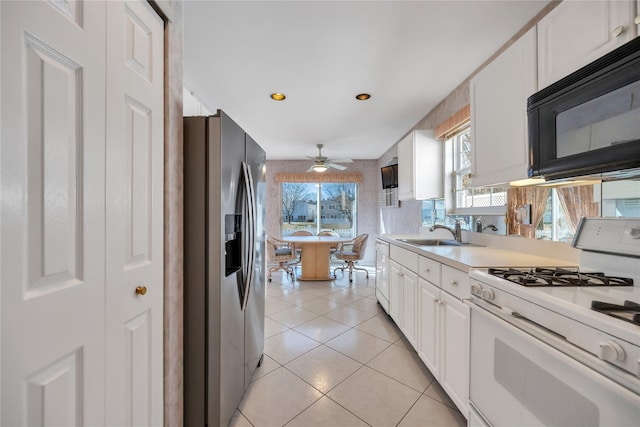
column 278, row 96
column 363, row 96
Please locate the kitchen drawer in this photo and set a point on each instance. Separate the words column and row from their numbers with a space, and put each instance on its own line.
column 455, row 282
column 405, row 258
column 429, row 269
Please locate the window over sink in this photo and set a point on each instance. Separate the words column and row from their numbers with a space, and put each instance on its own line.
column 468, row 199
column 474, row 207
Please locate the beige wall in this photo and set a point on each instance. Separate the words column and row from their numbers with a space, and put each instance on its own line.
column 368, row 191
column 173, row 396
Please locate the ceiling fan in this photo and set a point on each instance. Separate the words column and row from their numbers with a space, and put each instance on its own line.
column 321, row 163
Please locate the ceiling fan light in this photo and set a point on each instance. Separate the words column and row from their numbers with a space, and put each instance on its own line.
column 319, row 168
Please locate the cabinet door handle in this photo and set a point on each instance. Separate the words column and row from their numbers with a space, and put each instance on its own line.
column 141, row 290
column 427, row 270
column 454, row 282
column 618, row 30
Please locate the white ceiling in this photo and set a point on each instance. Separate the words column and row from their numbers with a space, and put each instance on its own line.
column 409, row 55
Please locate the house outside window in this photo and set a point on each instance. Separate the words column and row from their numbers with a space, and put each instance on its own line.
column 319, row 206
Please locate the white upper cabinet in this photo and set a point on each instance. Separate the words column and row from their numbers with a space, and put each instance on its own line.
column 576, row 33
column 499, row 95
column 420, row 166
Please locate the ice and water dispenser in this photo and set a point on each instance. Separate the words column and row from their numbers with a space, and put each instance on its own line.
column 232, row 243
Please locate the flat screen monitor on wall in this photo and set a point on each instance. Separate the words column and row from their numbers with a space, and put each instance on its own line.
column 389, row 176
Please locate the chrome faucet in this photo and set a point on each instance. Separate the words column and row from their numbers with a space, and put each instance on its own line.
column 456, row 231
column 490, row 227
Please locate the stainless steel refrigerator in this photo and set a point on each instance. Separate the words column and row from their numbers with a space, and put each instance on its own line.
column 224, row 266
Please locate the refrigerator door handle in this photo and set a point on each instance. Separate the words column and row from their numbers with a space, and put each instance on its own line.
column 250, row 232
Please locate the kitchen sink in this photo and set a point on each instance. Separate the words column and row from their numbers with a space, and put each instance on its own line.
column 436, row 242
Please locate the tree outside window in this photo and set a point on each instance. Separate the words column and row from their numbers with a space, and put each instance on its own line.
column 319, row 206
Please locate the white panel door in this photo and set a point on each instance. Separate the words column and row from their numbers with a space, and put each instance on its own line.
column 52, row 217
column 578, row 32
column 134, row 170
column 499, row 130
column 454, row 357
column 429, row 325
column 409, row 293
column 395, row 292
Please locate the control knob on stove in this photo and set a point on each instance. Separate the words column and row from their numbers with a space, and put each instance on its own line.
column 611, row 351
column 487, row 294
column 476, row 289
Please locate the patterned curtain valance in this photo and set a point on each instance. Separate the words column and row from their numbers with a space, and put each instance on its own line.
column 318, row 177
column 454, row 123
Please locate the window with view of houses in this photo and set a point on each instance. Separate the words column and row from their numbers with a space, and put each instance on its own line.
column 316, row 207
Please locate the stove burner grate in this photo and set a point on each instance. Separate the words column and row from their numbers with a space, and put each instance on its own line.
column 629, row 311
column 539, row 276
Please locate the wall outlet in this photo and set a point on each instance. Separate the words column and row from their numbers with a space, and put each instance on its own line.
column 523, row 214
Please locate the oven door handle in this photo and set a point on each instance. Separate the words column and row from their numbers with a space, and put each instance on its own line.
column 516, row 319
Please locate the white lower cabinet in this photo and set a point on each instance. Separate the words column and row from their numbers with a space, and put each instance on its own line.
column 443, row 328
column 427, row 307
column 402, row 292
column 409, row 291
column 454, row 350
column 403, row 284
column 443, row 344
column 429, row 325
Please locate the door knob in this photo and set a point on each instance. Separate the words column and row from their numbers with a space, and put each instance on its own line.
column 141, row 290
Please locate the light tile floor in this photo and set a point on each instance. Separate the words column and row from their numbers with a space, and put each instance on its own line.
column 334, row 358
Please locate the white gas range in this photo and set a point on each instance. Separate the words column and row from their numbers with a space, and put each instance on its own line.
column 561, row 346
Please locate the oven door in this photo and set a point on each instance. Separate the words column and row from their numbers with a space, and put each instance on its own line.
column 517, row 380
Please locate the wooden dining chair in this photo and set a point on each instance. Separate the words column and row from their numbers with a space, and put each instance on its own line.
column 351, row 252
column 284, row 253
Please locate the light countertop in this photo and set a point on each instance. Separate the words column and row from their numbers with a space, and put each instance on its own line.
column 468, row 257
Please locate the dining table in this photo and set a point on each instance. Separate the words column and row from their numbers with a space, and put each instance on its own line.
column 316, row 255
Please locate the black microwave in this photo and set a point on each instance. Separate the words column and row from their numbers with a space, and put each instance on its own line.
column 588, row 123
